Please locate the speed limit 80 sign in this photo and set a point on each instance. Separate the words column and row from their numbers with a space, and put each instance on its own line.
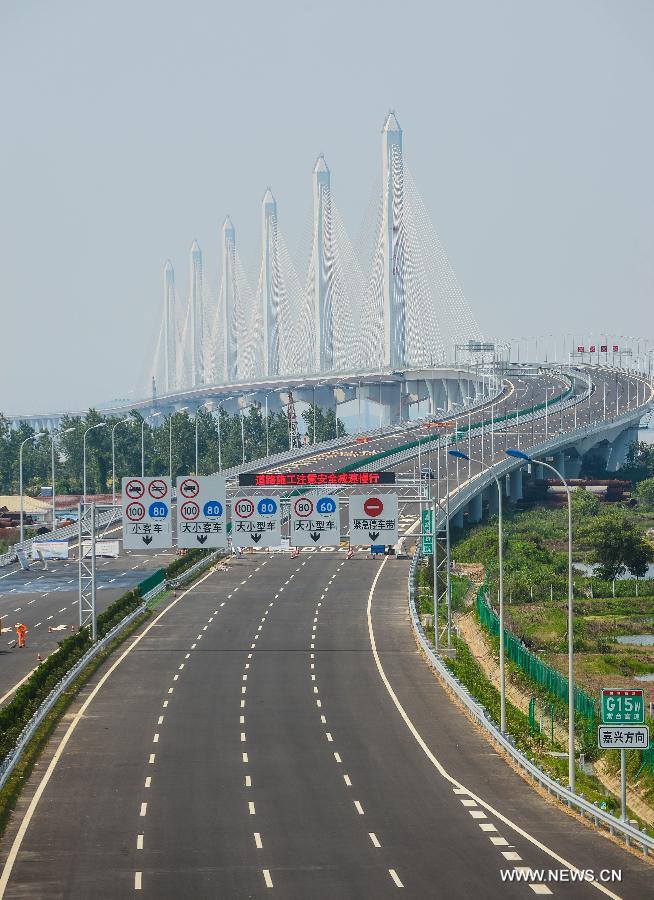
column 201, row 511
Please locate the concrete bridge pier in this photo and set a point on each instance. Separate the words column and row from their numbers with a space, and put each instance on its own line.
column 559, row 462
column 475, row 509
column 573, row 464
column 457, row 519
column 619, row 448
column 437, row 393
column 493, row 499
column 516, row 485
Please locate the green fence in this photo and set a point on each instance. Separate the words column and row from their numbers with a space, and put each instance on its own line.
column 151, row 582
column 554, row 682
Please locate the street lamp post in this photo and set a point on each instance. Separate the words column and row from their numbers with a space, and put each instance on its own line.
column 220, row 454
column 170, row 442
column 518, row 454
column 90, row 428
column 151, row 416
column 113, row 456
column 32, row 437
column 500, row 543
column 52, row 463
column 267, row 427
column 202, row 405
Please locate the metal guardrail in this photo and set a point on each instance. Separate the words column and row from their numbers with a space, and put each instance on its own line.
column 192, row 571
column 11, row 760
column 600, row 817
column 59, row 534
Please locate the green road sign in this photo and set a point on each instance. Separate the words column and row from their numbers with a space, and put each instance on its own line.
column 427, row 529
column 622, row 707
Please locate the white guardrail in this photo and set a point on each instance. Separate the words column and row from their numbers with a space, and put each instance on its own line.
column 600, row 817
column 59, row 534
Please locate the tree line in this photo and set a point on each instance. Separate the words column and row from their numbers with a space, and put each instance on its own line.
column 224, row 439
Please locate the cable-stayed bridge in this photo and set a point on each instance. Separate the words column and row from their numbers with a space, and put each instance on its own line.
column 391, row 305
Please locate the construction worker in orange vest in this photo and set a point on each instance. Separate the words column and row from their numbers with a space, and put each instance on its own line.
column 21, row 631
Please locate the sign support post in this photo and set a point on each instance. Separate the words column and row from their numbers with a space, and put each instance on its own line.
column 623, row 785
column 87, row 580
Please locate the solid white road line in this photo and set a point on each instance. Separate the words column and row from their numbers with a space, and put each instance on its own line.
column 441, row 769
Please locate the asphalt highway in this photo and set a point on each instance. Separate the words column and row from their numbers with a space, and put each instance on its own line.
column 274, row 729
column 284, row 734
column 48, row 599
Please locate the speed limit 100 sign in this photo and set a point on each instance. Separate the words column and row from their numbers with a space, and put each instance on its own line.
column 201, row 512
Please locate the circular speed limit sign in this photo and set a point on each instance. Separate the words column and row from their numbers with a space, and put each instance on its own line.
column 135, row 512
column 243, row 508
column 303, row 507
column 189, row 510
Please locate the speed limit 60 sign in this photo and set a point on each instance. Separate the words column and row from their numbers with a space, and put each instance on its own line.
column 201, row 511
column 146, row 513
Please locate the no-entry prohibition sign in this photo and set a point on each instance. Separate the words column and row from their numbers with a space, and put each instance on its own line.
column 373, row 506
column 373, row 519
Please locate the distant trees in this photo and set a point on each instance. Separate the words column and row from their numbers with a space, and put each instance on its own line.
column 616, row 544
column 639, row 463
column 325, row 424
column 222, row 440
column 645, row 490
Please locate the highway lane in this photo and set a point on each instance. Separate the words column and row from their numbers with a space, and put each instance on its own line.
column 266, row 752
column 49, row 599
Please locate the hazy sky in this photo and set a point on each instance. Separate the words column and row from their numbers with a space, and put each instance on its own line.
column 130, row 128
